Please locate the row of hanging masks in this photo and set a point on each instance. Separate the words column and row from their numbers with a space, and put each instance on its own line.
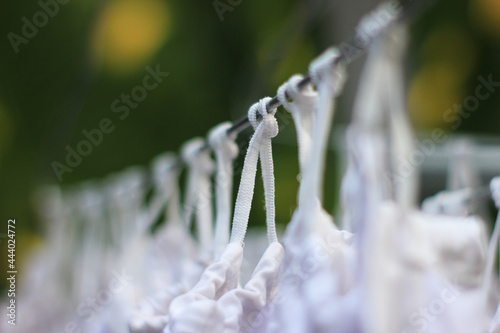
column 387, row 267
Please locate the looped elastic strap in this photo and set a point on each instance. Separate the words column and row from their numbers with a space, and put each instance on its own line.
column 289, row 92
column 261, row 108
column 461, row 171
column 265, row 129
column 198, row 195
column 325, row 71
column 378, row 105
column 302, row 111
column 226, row 150
column 165, row 176
column 329, row 80
column 128, row 194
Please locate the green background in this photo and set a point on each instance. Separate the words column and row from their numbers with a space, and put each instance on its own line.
column 91, row 52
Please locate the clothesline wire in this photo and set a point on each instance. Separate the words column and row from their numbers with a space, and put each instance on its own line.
column 409, row 7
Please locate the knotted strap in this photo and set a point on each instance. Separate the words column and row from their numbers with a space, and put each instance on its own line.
column 226, row 150
column 329, row 80
column 165, row 176
column 302, row 110
column 266, row 128
column 198, row 195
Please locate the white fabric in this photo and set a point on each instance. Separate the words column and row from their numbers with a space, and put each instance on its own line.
column 461, row 170
column 463, row 181
column 317, row 272
column 413, row 262
column 409, row 261
column 329, row 80
column 489, row 275
column 196, row 310
column 315, row 276
column 243, row 307
column 454, row 203
column 172, row 236
column 404, row 271
column 215, row 304
column 154, row 316
column 492, row 254
column 165, row 176
column 255, row 246
column 260, row 145
column 173, row 253
column 226, row 150
column 198, row 195
column 302, row 109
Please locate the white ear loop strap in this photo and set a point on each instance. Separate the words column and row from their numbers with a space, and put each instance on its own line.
column 302, row 111
column 128, row 194
column 260, row 144
column 198, row 195
column 165, row 178
column 267, row 165
column 394, row 45
column 329, row 81
column 363, row 185
column 173, row 204
column 226, row 150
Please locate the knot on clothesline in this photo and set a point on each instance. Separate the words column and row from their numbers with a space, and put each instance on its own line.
column 290, row 93
column 220, row 140
column 196, row 157
column 163, row 167
column 370, row 26
column 128, row 184
column 271, row 128
column 326, row 67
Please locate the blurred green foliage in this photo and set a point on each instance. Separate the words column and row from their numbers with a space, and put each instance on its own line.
column 65, row 79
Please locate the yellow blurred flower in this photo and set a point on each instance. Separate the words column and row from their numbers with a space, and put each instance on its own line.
column 432, row 91
column 486, row 15
column 449, row 57
column 454, row 46
column 129, row 32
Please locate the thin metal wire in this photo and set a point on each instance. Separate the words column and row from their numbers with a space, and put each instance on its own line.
column 271, row 105
column 409, row 7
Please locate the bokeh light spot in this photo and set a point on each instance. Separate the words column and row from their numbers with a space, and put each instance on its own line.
column 129, row 32
column 486, row 15
column 433, row 91
column 455, row 47
column 449, row 57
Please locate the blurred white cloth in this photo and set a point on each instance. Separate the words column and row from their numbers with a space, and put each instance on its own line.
column 216, row 303
column 317, row 273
